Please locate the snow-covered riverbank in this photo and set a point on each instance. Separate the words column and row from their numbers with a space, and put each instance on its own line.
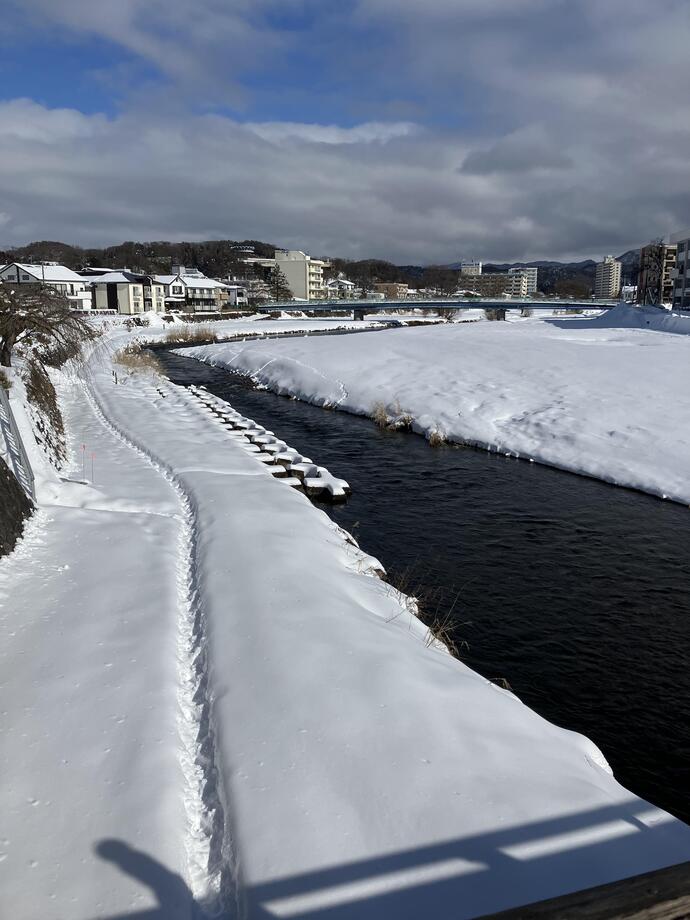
column 607, row 397
column 198, row 665
column 255, row 326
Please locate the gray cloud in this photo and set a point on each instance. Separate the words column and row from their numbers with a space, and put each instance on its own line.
column 526, row 150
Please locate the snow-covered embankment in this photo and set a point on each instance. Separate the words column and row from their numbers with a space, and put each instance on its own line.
column 607, row 397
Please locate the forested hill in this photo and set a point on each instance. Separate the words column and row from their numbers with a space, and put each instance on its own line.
column 214, row 257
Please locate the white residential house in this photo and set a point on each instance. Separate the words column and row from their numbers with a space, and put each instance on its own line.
column 189, row 290
column 237, row 292
column 126, row 292
column 304, row 275
column 59, row 277
column 340, row 289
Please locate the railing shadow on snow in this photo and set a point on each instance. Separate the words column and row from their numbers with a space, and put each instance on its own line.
column 466, row 877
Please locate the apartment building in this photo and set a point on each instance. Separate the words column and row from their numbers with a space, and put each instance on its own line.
column 680, row 275
column 526, row 286
column 52, row 274
column 394, row 290
column 126, row 292
column 470, row 268
column 303, row 274
column 655, row 281
column 607, row 282
column 492, row 284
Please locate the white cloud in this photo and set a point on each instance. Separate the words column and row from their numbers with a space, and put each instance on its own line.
column 370, row 132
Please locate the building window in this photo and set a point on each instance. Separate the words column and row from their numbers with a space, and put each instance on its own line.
column 26, row 277
column 176, row 289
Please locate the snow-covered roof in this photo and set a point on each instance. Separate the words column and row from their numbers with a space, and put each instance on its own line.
column 112, row 277
column 47, row 272
column 192, row 281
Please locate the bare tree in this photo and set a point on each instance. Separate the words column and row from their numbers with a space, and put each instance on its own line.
column 40, row 318
column 651, row 273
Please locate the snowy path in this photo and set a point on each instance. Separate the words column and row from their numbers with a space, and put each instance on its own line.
column 356, row 771
column 90, row 746
column 607, row 397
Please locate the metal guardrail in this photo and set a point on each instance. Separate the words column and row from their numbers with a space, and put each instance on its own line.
column 16, row 452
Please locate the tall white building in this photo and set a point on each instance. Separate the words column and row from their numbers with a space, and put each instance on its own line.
column 518, row 283
column 304, row 275
column 680, row 276
column 530, row 280
column 471, row 268
column 607, row 283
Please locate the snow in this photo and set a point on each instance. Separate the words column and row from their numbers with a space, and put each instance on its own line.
column 607, row 396
column 253, row 325
column 198, row 664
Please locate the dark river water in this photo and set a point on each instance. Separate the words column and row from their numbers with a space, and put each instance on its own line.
column 574, row 592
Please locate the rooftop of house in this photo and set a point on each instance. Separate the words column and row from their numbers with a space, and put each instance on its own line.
column 46, row 272
column 117, row 277
column 193, row 281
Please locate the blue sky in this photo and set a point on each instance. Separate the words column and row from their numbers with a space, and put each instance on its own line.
column 415, row 131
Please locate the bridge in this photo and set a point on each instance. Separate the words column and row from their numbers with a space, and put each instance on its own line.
column 361, row 307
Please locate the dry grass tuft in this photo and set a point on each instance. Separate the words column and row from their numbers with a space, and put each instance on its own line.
column 5, row 381
column 436, row 438
column 430, row 604
column 186, row 335
column 396, row 420
column 134, row 358
column 379, row 414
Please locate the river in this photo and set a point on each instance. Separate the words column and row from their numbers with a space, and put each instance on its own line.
column 574, row 592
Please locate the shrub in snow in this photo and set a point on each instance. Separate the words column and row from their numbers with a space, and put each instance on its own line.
column 134, row 358
column 379, row 414
column 199, row 335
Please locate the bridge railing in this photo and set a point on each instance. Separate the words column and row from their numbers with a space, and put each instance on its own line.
column 374, row 306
